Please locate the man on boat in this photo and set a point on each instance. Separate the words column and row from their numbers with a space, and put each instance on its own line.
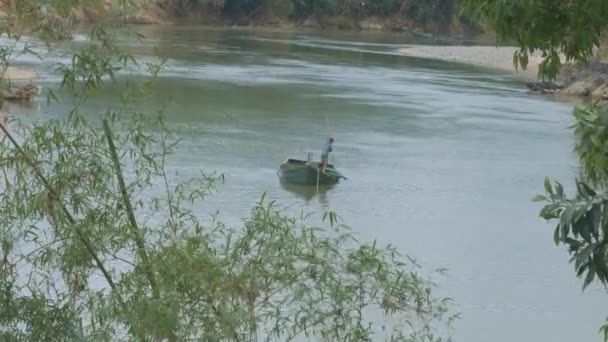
column 325, row 154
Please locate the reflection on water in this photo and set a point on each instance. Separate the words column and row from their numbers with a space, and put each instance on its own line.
column 307, row 192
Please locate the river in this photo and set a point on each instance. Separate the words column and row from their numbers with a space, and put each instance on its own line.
column 442, row 159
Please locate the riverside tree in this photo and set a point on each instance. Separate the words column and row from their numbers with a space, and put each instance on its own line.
column 99, row 242
column 421, row 10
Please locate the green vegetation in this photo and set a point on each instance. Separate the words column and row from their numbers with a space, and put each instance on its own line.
column 572, row 29
column 582, row 220
column 419, row 10
column 99, row 243
column 399, row 14
column 433, row 10
column 603, row 52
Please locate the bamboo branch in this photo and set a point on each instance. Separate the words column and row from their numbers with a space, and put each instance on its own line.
column 79, row 233
column 137, row 236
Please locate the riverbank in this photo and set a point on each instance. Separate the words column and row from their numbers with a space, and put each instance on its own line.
column 277, row 15
column 499, row 58
column 590, row 81
column 13, row 73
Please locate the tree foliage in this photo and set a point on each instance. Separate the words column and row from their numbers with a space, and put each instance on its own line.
column 591, row 143
column 582, row 220
column 98, row 242
column 422, row 10
column 571, row 28
column 438, row 10
column 582, row 226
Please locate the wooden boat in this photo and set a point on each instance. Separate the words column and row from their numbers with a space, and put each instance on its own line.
column 306, row 172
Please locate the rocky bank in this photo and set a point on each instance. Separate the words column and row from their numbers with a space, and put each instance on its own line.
column 589, row 81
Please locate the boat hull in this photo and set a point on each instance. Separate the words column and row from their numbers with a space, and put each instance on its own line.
column 306, row 173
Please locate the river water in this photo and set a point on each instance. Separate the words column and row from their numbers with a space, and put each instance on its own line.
column 442, row 159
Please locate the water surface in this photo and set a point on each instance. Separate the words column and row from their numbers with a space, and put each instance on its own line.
column 442, row 159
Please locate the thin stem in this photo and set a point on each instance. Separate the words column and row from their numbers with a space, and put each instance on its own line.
column 123, row 260
column 168, row 191
column 298, row 331
column 45, row 246
column 219, row 314
column 136, row 232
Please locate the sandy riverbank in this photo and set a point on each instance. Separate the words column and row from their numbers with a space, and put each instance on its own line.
column 500, row 58
column 20, row 74
column 590, row 81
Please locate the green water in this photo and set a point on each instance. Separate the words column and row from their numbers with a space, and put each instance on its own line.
column 442, row 159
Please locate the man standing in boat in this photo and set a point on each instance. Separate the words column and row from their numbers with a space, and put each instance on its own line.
column 325, row 154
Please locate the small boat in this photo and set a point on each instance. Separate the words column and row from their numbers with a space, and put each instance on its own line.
column 307, row 172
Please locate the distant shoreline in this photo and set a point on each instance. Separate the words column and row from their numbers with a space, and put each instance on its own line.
column 590, row 81
column 585, row 82
column 499, row 58
column 18, row 73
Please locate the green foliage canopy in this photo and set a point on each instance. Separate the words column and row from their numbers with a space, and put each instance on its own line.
column 422, row 10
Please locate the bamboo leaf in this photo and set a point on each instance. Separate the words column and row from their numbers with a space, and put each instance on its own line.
column 548, row 187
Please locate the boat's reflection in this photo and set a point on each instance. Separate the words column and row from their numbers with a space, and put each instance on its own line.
column 308, row 192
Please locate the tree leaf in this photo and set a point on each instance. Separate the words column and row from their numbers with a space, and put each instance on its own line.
column 550, row 211
column 556, row 235
column 584, row 227
column 539, row 198
column 604, row 330
column 559, row 190
column 565, row 221
column 584, row 190
column 583, row 256
column 548, row 187
column 589, row 278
